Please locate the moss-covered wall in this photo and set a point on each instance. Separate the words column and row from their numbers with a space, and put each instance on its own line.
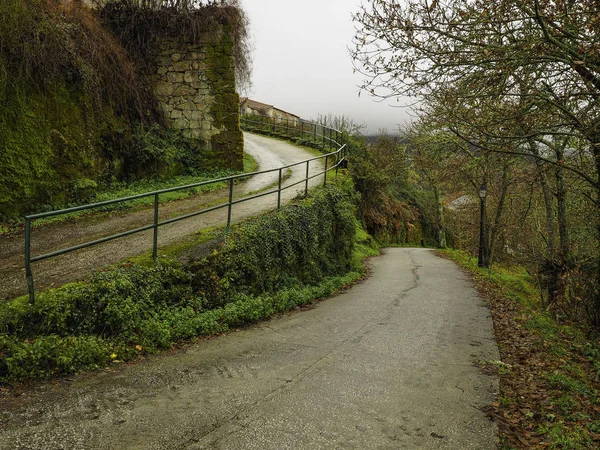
column 50, row 149
column 76, row 109
column 195, row 86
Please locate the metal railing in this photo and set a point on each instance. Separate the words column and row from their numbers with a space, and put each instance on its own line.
column 307, row 133
column 339, row 155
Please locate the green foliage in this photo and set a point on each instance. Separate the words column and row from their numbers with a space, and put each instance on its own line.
column 571, row 385
column 380, row 172
column 65, row 86
column 515, row 282
column 267, row 265
column 299, row 244
column 563, row 358
column 76, row 117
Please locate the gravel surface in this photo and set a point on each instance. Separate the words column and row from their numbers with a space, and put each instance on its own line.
column 389, row 364
column 269, row 153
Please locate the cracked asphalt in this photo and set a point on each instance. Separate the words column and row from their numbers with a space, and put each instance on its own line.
column 269, row 153
column 389, row 364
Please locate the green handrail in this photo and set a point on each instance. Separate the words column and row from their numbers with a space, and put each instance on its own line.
column 340, row 155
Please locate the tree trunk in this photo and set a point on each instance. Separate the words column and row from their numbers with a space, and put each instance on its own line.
column 550, row 276
column 550, row 226
column 441, row 232
column 498, row 216
column 558, row 267
column 596, row 295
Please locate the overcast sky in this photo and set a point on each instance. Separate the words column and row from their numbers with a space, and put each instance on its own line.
column 301, row 61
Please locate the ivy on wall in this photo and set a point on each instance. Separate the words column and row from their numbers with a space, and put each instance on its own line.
column 270, row 264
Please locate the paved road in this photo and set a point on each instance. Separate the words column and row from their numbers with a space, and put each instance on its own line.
column 388, row 364
column 269, row 153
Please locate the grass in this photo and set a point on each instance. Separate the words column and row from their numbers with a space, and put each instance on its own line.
column 178, row 249
column 121, row 190
column 550, row 396
column 264, row 266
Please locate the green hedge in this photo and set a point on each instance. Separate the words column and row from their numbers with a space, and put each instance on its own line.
column 267, row 265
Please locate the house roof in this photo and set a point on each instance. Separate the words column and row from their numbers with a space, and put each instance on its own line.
column 254, row 104
column 288, row 113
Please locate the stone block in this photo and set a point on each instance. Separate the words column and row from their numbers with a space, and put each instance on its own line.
column 197, row 116
column 181, row 124
column 184, row 91
column 182, row 66
column 161, row 70
column 206, row 126
column 163, row 89
column 165, row 108
column 198, row 85
column 203, row 107
column 188, row 105
column 176, row 114
column 174, row 101
column 194, row 124
column 176, row 57
column 175, row 77
column 190, row 76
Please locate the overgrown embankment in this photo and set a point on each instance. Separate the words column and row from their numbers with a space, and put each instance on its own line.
column 391, row 207
column 267, row 265
column 79, row 113
column 66, row 90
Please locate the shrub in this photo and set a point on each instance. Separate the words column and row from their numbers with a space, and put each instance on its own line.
column 299, row 244
column 270, row 264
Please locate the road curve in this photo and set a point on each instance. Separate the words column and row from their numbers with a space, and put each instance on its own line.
column 269, row 153
column 389, row 364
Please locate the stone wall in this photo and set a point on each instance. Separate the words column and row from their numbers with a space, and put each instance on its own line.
column 194, row 83
column 195, row 86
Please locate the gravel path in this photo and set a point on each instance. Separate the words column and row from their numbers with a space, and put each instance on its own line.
column 389, row 364
column 269, row 153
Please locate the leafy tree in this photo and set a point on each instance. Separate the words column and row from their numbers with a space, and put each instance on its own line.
column 519, row 77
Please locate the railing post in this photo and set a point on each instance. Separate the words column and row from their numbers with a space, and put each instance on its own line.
column 279, row 191
column 325, row 173
column 155, row 240
column 28, row 273
column 307, row 173
column 230, row 204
